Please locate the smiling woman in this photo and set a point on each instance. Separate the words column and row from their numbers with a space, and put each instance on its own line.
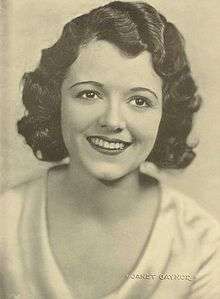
column 118, row 114
column 115, row 94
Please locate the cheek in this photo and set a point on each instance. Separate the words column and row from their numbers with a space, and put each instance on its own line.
column 76, row 119
column 145, row 127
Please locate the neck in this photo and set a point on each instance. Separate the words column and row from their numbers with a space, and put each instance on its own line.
column 104, row 199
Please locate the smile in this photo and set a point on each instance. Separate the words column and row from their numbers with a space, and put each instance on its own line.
column 107, row 145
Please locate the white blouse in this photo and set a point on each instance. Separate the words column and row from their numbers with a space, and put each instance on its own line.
column 180, row 260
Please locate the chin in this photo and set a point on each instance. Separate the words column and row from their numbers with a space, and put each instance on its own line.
column 108, row 172
column 108, row 175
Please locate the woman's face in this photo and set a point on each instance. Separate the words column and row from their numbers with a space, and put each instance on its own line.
column 111, row 110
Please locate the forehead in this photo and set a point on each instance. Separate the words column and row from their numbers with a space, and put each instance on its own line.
column 103, row 62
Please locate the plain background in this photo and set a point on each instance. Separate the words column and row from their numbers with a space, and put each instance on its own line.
column 31, row 25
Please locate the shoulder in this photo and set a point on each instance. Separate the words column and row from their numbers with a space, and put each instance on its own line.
column 196, row 237
column 188, row 211
column 192, row 222
column 17, row 193
column 199, row 233
column 13, row 201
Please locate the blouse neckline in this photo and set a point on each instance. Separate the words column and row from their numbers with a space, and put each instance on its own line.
column 145, row 263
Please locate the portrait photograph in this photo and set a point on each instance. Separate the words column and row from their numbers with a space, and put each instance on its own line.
column 109, row 149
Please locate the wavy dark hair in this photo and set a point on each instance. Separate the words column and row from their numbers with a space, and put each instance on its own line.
column 133, row 27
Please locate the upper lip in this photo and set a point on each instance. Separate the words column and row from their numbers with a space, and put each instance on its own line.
column 109, row 139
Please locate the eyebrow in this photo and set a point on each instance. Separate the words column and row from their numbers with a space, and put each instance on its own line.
column 100, row 85
column 144, row 89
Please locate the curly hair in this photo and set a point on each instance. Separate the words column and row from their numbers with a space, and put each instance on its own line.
column 133, row 27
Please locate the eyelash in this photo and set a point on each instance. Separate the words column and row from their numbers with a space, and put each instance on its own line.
column 84, row 95
column 145, row 100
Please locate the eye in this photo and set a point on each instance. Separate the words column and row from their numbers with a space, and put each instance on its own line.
column 89, row 95
column 140, row 102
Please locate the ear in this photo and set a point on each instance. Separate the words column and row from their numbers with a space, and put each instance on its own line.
column 150, row 169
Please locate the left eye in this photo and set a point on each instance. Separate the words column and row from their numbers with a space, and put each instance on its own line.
column 89, row 95
column 140, row 102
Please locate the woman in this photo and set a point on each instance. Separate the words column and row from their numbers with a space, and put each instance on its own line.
column 114, row 94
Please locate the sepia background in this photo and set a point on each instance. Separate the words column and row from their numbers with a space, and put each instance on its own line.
column 31, row 25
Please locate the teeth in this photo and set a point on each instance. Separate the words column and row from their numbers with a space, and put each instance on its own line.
column 112, row 145
column 121, row 146
column 106, row 144
column 96, row 141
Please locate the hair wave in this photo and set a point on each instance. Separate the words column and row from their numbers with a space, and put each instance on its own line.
column 133, row 28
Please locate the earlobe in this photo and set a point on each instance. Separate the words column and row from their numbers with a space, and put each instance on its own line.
column 39, row 155
column 150, row 169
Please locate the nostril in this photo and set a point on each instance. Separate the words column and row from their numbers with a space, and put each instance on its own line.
column 114, row 126
column 112, row 119
column 117, row 130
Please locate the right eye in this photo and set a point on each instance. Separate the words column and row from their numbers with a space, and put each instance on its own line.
column 89, row 95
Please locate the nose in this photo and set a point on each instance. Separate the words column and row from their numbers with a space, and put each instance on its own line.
column 112, row 118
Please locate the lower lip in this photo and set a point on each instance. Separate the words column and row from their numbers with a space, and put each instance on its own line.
column 106, row 151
